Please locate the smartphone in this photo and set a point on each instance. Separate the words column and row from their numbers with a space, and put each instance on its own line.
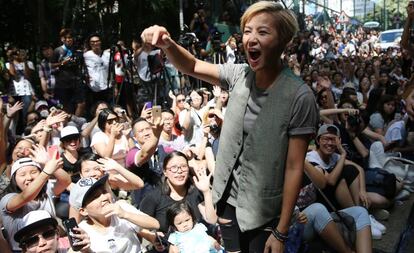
column 51, row 151
column 148, row 105
column 161, row 240
column 69, row 225
column 156, row 113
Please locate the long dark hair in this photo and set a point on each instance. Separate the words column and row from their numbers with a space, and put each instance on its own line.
column 380, row 107
column 165, row 186
column 177, row 208
column 103, row 116
column 374, row 97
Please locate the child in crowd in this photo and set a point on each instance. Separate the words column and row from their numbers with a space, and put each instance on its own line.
column 188, row 236
column 109, row 225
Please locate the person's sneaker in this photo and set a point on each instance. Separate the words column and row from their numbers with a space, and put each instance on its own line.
column 381, row 214
column 377, row 225
column 376, row 234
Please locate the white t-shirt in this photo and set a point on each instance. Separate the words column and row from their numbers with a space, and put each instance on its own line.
column 194, row 134
column 22, row 86
column 396, row 132
column 120, row 149
column 97, row 66
column 313, row 157
column 120, row 236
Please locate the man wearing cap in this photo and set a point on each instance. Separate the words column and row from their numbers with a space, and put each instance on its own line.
column 110, row 225
column 341, row 173
column 38, row 232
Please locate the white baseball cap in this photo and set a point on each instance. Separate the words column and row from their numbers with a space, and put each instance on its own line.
column 69, row 131
column 23, row 162
column 33, row 220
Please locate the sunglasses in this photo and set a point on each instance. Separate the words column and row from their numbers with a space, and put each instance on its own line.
column 180, row 100
column 34, row 240
column 112, row 121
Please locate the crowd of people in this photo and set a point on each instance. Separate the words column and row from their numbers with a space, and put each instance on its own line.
column 306, row 126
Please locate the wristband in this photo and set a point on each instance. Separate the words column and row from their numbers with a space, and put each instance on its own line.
column 279, row 236
column 8, row 116
column 46, row 173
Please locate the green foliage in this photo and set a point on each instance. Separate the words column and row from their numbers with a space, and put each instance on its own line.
column 30, row 23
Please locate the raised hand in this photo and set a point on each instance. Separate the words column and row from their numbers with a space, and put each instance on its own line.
column 216, row 91
column 83, row 239
column 157, row 126
column 116, row 129
column 113, row 209
column 171, row 95
column 53, row 118
column 13, row 109
column 39, row 154
column 53, row 164
column 157, row 36
column 201, row 180
column 109, row 164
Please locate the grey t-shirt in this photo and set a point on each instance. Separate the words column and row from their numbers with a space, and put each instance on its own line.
column 302, row 120
column 11, row 221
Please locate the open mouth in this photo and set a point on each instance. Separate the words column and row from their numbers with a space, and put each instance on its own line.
column 254, row 55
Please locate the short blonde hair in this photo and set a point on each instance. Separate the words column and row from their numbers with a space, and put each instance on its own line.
column 285, row 20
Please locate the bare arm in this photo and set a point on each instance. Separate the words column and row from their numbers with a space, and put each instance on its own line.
column 202, row 182
column 88, row 129
column 150, row 145
column 315, row 175
column 140, row 219
column 183, row 60
column 63, row 181
column 124, row 178
column 293, row 178
column 106, row 149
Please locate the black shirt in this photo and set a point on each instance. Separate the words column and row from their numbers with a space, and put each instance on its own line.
column 156, row 204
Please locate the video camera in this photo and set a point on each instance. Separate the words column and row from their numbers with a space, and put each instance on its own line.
column 188, row 39
column 216, row 40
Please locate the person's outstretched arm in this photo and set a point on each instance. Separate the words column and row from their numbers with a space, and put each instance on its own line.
column 183, row 60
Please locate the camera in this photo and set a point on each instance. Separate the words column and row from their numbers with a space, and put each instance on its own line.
column 216, row 40
column 214, row 128
column 188, row 39
column 354, row 121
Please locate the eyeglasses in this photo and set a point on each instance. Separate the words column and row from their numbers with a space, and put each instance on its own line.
column 34, row 240
column 180, row 100
column 112, row 121
column 174, row 169
column 326, row 139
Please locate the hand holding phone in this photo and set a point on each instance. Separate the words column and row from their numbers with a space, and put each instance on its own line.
column 148, row 105
column 69, row 225
column 51, row 151
column 161, row 240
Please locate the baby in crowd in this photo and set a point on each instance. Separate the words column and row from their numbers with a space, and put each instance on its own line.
column 188, row 236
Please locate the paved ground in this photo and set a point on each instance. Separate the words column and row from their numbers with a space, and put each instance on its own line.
column 397, row 223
